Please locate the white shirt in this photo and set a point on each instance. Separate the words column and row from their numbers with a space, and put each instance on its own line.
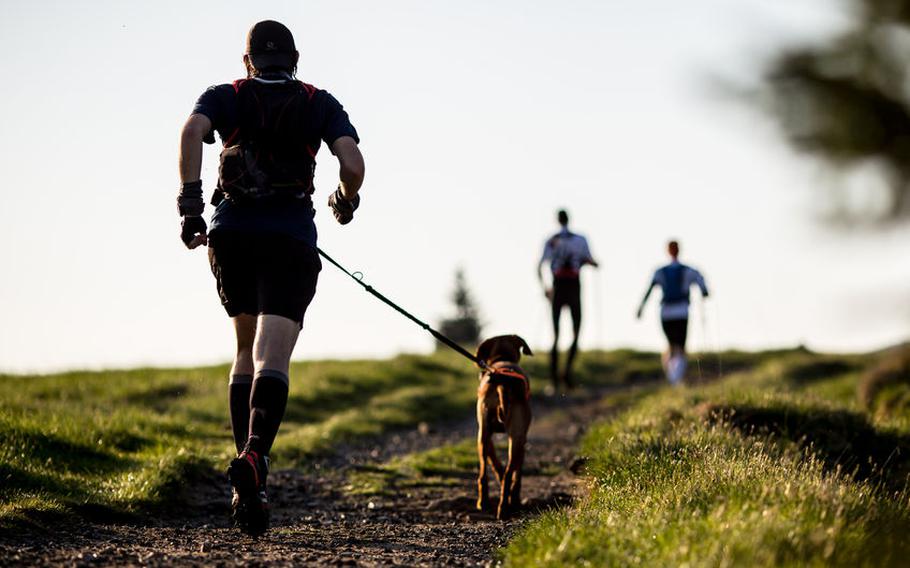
column 567, row 253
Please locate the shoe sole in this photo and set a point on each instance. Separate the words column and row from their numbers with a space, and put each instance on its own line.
column 250, row 516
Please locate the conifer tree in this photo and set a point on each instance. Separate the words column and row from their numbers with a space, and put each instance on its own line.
column 464, row 326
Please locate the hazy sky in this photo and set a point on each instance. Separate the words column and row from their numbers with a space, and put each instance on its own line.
column 478, row 120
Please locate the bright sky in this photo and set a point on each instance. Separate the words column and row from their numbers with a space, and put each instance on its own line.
column 478, row 120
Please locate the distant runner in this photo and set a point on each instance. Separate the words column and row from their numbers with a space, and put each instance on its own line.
column 262, row 242
column 675, row 280
column 567, row 253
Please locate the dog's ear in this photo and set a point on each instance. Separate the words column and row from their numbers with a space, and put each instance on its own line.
column 521, row 343
column 485, row 349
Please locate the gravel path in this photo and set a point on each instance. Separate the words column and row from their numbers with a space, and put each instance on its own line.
column 316, row 522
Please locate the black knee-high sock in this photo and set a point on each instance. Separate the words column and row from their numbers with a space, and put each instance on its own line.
column 268, row 400
column 239, row 400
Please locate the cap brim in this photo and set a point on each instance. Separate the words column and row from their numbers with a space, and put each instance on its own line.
column 275, row 59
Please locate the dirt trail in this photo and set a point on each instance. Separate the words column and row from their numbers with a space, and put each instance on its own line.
column 316, row 522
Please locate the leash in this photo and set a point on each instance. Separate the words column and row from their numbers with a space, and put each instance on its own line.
column 358, row 278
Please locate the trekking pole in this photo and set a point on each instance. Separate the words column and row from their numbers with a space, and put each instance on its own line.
column 715, row 337
column 440, row 337
column 598, row 309
column 702, row 312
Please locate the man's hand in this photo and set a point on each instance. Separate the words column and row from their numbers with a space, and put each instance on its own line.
column 342, row 208
column 548, row 292
column 193, row 231
column 638, row 313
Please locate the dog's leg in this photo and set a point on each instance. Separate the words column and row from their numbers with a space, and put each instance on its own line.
column 482, row 474
column 511, row 479
column 502, row 511
column 483, row 435
column 498, row 468
column 516, row 457
column 510, row 495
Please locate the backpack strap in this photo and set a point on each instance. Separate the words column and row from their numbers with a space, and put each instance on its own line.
column 310, row 93
column 236, row 84
column 310, row 90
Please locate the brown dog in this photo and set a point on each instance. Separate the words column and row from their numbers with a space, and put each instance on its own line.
column 503, row 405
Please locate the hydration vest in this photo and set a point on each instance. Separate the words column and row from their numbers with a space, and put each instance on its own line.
column 674, row 286
column 267, row 155
column 566, row 264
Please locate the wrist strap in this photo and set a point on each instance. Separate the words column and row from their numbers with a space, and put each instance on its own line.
column 189, row 200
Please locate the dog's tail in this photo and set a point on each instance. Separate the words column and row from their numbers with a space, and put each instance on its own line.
column 502, row 411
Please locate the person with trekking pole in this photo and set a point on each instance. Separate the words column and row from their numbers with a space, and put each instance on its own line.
column 262, row 242
column 675, row 280
column 567, row 253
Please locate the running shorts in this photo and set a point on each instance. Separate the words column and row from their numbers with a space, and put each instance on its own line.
column 566, row 292
column 676, row 331
column 263, row 273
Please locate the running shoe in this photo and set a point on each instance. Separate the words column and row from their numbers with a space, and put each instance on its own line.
column 249, row 501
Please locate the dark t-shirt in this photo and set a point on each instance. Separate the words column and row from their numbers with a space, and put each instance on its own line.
column 293, row 218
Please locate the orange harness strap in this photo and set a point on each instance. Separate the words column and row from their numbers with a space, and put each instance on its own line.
column 517, row 375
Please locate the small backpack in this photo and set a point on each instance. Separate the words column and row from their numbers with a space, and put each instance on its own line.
column 674, row 287
column 267, row 155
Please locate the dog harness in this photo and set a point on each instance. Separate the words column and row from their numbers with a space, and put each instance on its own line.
column 514, row 374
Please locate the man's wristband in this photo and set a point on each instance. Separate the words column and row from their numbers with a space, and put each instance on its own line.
column 189, row 200
column 355, row 202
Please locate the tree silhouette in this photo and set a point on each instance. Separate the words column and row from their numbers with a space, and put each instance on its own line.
column 464, row 327
column 847, row 101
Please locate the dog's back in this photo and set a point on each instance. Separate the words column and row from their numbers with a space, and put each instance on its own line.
column 500, row 390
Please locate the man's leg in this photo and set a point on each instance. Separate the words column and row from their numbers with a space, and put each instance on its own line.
column 680, row 350
column 575, row 309
column 275, row 340
column 683, row 335
column 555, row 312
column 675, row 360
column 668, row 354
column 242, row 379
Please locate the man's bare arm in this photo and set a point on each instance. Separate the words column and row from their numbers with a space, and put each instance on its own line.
column 196, row 127
column 351, row 167
column 192, row 227
column 641, row 307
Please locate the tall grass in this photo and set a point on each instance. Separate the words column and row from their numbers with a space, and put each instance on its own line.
column 778, row 466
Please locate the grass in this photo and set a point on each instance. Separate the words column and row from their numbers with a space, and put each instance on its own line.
column 885, row 387
column 121, row 442
column 446, row 465
column 780, row 465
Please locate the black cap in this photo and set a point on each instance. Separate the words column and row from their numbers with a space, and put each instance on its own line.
column 270, row 44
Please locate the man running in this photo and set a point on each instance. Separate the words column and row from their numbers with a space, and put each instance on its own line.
column 675, row 280
column 566, row 252
column 262, row 241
